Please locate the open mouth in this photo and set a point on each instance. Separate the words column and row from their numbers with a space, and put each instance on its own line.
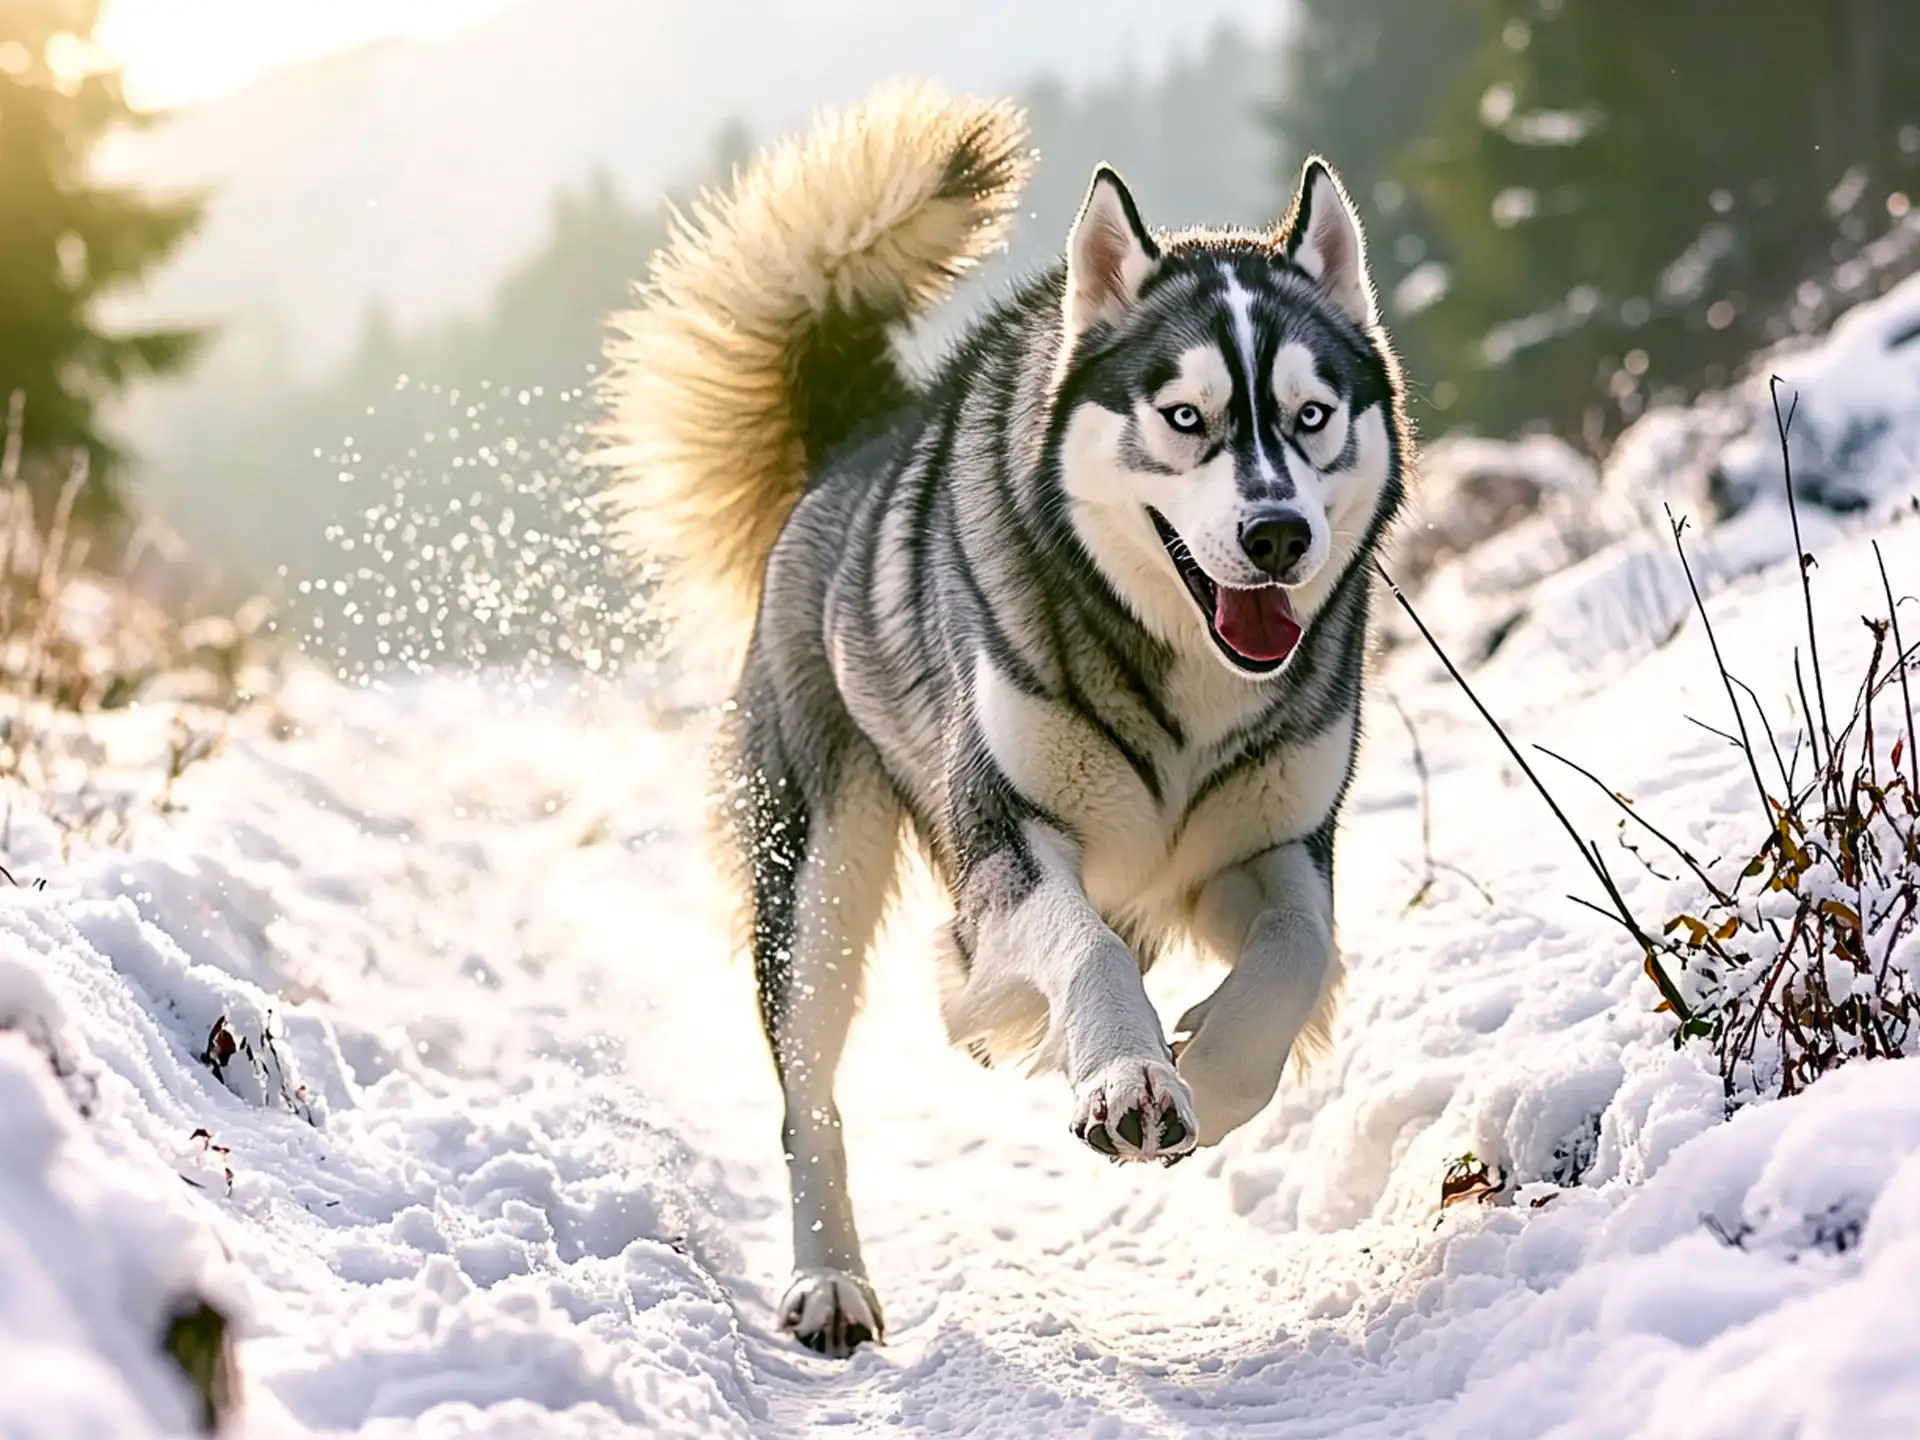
column 1255, row 629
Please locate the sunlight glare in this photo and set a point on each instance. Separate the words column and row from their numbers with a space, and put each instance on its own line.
column 180, row 52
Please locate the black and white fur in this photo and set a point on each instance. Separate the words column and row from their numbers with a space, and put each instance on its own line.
column 981, row 625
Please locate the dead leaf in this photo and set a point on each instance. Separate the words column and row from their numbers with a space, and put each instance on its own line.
column 222, row 1046
column 1696, row 929
column 1844, row 913
column 1468, row 1179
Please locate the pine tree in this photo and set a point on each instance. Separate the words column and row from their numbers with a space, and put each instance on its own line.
column 1630, row 192
column 65, row 242
column 1362, row 83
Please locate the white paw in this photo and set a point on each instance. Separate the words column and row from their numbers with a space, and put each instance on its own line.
column 1136, row 1110
column 831, row 1311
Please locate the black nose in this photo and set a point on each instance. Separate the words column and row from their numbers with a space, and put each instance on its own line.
column 1276, row 542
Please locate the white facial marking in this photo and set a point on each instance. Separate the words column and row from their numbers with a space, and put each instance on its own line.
column 1297, row 383
column 1203, row 383
column 1241, row 304
column 1295, row 377
column 1351, row 496
column 1203, row 380
column 1109, row 514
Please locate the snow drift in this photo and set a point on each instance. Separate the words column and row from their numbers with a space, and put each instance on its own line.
column 404, row 1035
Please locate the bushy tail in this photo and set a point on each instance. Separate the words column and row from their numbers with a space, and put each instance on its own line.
column 761, row 339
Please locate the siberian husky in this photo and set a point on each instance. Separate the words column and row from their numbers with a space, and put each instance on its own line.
column 1083, row 612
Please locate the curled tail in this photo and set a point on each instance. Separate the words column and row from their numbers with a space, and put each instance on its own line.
column 761, row 340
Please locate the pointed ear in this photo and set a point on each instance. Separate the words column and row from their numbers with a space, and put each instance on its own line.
column 1325, row 240
column 1109, row 255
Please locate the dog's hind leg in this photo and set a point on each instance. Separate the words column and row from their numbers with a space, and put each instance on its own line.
column 1273, row 917
column 822, row 872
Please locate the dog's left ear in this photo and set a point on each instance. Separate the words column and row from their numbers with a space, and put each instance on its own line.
column 1323, row 238
column 1109, row 255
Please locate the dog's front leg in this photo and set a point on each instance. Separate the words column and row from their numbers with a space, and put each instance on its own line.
column 1275, row 913
column 1027, row 935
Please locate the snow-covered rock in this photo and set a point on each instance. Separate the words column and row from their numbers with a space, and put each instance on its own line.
column 1587, row 580
column 1855, row 400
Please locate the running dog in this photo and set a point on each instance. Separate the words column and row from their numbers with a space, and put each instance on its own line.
column 1083, row 611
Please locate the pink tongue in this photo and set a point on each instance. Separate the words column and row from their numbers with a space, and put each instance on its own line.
column 1258, row 625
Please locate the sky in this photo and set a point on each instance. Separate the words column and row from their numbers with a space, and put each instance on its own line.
column 179, row 52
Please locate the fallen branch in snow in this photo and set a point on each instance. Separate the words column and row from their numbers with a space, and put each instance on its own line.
column 1589, row 850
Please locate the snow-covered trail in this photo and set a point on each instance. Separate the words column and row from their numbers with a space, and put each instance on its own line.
column 545, row 1195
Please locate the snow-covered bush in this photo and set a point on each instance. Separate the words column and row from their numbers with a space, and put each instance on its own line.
column 73, row 637
column 1804, row 959
column 1801, row 956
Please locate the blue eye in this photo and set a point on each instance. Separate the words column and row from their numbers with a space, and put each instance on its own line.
column 1313, row 416
column 1184, row 418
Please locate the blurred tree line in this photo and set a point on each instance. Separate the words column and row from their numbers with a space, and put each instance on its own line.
column 417, row 425
column 65, row 242
column 1190, row 142
column 1574, row 207
column 1577, row 207
column 543, row 325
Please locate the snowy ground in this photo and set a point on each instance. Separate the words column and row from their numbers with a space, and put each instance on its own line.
column 540, row 1192
column 488, row 1141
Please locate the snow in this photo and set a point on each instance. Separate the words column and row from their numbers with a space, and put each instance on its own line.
column 1857, row 441
column 1587, row 582
column 496, row 1148
column 97, row 1241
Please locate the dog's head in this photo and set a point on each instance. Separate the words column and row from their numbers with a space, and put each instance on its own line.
column 1227, row 416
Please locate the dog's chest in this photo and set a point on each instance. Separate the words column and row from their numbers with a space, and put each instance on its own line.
column 1158, row 815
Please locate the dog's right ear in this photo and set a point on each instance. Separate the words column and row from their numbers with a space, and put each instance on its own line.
column 1109, row 255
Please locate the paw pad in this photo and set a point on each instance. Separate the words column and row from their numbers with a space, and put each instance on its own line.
column 1136, row 1110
